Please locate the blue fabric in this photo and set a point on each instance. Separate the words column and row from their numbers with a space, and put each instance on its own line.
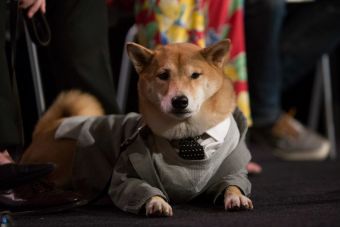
column 283, row 43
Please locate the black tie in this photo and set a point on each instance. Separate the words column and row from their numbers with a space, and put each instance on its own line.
column 190, row 149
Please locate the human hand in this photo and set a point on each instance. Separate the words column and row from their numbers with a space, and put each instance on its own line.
column 33, row 6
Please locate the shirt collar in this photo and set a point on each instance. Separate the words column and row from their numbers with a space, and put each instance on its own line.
column 219, row 131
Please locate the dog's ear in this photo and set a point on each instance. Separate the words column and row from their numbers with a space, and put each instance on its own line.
column 139, row 55
column 217, row 53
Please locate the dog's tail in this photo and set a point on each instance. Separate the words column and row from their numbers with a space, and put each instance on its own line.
column 67, row 104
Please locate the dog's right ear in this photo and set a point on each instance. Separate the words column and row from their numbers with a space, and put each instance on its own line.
column 139, row 55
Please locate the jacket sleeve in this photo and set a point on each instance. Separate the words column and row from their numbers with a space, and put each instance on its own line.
column 127, row 191
column 232, row 172
column 239, row 179
column 98, row 146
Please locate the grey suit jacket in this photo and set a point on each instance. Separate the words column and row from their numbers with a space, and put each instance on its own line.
column 112, row 150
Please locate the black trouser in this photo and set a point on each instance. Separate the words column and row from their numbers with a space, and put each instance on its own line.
column 77, row 57
column 9, row 131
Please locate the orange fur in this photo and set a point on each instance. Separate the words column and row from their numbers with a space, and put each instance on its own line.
column 44, row 148
column 164, row 74
column 213, row 92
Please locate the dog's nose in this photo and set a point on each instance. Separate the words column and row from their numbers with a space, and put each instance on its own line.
column 179, row 102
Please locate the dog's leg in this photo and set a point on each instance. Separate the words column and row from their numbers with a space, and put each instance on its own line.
column 235, row 200
column 157, row 206
column 45, row 149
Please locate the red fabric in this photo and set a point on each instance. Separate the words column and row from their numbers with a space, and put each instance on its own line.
column 218, row 13
column 237, row 33
column 240, row 86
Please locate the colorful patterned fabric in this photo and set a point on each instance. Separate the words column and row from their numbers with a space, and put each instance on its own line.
column 202, row 22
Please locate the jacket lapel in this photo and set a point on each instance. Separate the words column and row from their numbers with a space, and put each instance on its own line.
column 139, row 156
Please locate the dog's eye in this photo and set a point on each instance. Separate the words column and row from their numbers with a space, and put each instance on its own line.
column 164, row 75
column 195, row 75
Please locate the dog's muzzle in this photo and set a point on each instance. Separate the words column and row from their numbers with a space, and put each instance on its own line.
column 179, row 102
column 179, row 106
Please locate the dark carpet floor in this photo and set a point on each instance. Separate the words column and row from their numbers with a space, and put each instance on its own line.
column 285, row 194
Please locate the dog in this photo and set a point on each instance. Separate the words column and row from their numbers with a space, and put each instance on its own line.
column 183, row 93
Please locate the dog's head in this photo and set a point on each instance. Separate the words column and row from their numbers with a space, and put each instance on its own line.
column 182, row 89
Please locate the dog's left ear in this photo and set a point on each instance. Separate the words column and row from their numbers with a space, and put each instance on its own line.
column 217, row 53
column 139, row 55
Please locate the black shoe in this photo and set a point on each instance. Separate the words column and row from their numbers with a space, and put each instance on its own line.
column 38, row 197
column 12, row 175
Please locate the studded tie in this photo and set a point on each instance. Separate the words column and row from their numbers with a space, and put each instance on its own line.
column 190, row 149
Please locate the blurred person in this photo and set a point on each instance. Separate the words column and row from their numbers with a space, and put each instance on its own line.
column 78, row 57
column 282, row 46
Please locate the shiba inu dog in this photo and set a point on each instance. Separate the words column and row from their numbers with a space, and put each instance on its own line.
column 183, row 93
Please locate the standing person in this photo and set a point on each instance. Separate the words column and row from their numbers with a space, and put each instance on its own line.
column 77, row 58
column 282, row 46
column 78, row 54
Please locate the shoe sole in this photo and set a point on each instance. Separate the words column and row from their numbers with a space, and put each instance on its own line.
column 29, row 178
column 50, row 210
column 315, row 155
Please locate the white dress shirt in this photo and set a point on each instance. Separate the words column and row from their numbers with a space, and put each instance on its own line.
column 214, row 137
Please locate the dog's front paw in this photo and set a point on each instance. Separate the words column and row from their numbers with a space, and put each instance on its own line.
column 234, row 200
column 157, row 206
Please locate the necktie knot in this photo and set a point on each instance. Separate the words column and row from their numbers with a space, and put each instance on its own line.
column 190, row 149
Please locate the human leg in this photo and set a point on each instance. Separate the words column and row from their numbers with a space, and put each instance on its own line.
column 78, row 56
column 286, row 137
column 263, row 19
column 9, row 131
column 18, row 183
column 10, row 173
column 309, row 32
